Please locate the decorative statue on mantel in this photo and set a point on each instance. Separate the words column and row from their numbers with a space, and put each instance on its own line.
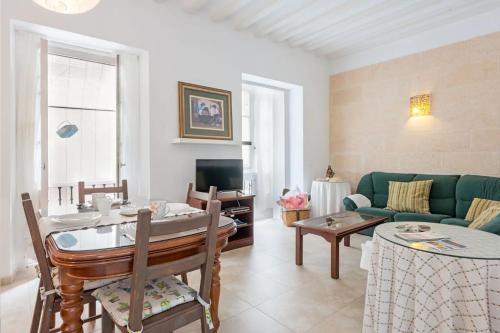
column 329, row 172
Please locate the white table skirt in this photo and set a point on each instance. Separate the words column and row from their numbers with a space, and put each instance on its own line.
column 415, row 291
column 327, row 197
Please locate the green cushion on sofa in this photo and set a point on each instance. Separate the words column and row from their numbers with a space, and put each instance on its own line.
column 443, row 192
column 470, row 187
column 492, row 226
column 381, row 185
column 349, row 204
column 436, row 218
column 456, row 221
column 365, row 186
column 377, row 212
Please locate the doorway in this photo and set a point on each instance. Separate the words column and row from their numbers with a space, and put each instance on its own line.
column 263, row 145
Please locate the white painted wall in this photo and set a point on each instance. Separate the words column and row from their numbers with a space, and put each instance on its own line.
column 181, row 48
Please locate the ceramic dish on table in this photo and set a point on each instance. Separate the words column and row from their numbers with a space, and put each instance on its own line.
column 128, row 210
column 91, row 218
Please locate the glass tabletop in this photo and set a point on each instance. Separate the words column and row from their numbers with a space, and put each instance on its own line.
column 336, row 221
column 112, row 236
column 479, row 244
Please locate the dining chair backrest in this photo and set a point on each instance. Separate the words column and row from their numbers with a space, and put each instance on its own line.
column 82, row 191
column 36, row 238
column 200, row 196
column 203, row 260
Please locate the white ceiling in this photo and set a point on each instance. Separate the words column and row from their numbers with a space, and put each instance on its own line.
column 336, row 28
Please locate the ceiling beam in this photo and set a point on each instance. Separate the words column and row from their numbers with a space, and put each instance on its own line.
column 193, row 6
column 226, row 9
column 287, row 18
column 410, row 26
column 335, row 10
column 266, row 9
column 374, row 17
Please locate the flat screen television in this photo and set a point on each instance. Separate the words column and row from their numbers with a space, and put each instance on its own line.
column 227, row 175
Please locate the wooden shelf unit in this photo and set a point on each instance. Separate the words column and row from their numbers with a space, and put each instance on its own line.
column 244, row 233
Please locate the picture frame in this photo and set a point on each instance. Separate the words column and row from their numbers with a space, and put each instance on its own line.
column 204, row 112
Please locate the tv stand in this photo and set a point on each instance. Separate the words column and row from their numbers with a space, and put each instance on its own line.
column 244, row 229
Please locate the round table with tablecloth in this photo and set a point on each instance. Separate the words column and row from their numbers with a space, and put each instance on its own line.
column 414, row 290
column 327, row 197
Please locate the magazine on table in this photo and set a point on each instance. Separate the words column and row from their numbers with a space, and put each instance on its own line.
column 438, row 245
column 420, row 236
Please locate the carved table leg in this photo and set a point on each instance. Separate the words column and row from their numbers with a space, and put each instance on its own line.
column 71, row 305
column 215, row 291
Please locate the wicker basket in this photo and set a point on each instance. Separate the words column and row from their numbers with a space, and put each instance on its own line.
column 292, row 215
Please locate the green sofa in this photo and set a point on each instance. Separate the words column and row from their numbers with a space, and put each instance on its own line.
column 449, row 200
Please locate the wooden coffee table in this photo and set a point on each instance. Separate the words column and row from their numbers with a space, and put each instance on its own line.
column 333, row 228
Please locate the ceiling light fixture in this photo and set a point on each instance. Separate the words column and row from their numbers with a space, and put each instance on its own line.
column 68, row 6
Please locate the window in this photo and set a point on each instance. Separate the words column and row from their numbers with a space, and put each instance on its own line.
column 80, row 92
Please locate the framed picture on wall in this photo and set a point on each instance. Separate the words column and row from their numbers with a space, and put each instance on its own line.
column 204, row 112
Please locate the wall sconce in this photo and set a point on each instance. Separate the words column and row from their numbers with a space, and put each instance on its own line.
column 420, row 105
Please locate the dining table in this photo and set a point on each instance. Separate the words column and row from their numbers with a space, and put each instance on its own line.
column 106, row 251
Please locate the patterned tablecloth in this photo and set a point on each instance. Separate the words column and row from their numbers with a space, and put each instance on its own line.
column 414, row 291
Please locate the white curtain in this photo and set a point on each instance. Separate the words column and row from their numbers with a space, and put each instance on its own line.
column 134, row 129
column 28, row 136
column 263, row 123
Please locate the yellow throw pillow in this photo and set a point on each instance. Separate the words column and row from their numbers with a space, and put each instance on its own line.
column 478, row 206
column 485, row 217
column 411, row 197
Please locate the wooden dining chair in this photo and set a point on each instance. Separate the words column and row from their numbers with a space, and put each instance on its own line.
column 82, row 191
column 48, row 300
column 153, row 299
column 198, row 200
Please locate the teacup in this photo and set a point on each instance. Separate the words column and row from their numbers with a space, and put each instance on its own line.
column 96, row 196
column 104, row 205
column 158, row 209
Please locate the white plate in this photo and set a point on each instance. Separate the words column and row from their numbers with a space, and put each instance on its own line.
column 79, row 218
column 175, row 208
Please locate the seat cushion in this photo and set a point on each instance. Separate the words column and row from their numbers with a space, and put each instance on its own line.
column 436, row 218
column 377, row 212
column 442, row 199
column 160, row 295
column 410, row 197
column 470, row 187
column 455, row 221
column 87, row 285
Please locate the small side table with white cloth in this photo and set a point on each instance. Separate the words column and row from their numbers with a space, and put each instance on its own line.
column 410, row 290
column 327, row 197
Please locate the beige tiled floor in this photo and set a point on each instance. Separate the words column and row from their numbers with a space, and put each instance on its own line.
column 262, row 288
